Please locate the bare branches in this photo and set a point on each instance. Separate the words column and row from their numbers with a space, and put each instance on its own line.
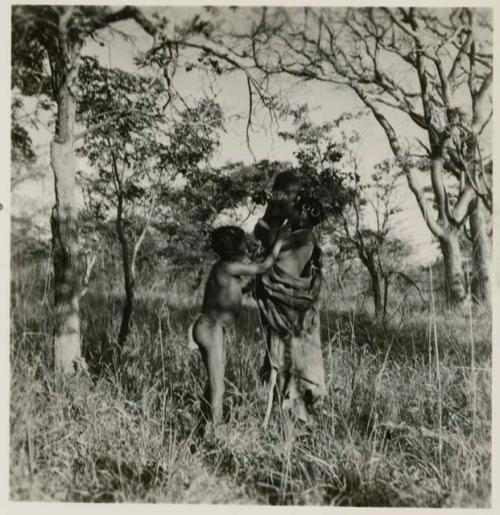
column 403, row 26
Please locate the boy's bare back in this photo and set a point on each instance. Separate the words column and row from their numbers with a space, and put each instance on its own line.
column 223, row 295
column 223, row 290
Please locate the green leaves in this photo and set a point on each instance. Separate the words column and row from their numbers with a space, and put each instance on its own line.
column 193, row 137
column 319, row 155
column 21, row 143
column 140, row 138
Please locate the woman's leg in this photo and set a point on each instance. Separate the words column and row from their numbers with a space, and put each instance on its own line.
column 209, row 336
column 265, row 369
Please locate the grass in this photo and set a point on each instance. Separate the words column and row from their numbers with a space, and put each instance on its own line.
column 406, row 421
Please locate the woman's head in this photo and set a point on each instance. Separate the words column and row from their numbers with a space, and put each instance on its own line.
column 229, row 242
column 311, row 212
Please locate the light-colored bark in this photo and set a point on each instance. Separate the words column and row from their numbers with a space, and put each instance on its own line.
column 481, row 255
column 67, row 287
column 67, row 280
column 453, row 264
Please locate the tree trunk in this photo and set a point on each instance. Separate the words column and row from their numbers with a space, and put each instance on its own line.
column 375, row 283
column 128, row 273
column 128, row 304
column 454, row 274
column 64, row 220
column 481, row 255
column 67, row 348
column 387, row 280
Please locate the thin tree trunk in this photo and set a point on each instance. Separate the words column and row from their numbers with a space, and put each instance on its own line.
column 129, row 262
column 481, row 255
column 128, row 279
column 387, row 280
column 454, row 274
column 128, row 304
column 375, row 283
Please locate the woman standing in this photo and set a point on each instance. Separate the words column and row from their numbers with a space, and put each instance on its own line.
column 288, row 296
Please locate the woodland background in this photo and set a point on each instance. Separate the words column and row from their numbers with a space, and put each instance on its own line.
column 105, row 392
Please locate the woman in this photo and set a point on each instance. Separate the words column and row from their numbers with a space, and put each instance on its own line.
column 288, row 297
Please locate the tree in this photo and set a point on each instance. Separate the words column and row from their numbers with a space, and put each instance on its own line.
column 46, row 47
column 235, row 191
column 418, row 62
column 21, row 153
column 369, row 225
column 366, row 209
column 139, row 156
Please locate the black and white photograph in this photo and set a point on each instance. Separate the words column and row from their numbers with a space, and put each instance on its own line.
column 251, row 254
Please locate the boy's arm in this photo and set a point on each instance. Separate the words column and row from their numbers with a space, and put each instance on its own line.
column 256, row 268
column 248, row 287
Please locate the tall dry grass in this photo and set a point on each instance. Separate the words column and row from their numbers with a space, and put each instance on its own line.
column 406, row 421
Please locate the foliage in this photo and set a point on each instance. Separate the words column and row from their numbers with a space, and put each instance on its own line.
column 319, row 156
column 141, row 153
column 21, row 144
column 365, row 209
column 229, row 188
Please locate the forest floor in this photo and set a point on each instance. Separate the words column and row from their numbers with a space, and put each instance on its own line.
column 406, row 422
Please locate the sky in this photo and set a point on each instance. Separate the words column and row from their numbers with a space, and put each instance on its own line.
column 325, row 102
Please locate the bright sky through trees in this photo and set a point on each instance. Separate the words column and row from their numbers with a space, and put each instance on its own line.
column 325, row 101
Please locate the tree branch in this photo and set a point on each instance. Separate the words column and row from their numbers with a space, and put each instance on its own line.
column 457, row 62
column 478, row 102
column 388, row 129
column 126, row 13
column 139, row 241
column 422, row 202
column 405, row 28
column 249, row 121
column 89, row 265
column 463, row 205
column 99, row 125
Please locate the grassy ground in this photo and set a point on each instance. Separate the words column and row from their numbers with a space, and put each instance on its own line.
column 406, row 421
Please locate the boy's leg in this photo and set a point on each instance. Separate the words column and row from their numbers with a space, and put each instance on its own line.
column 211, row 339
column 216, row 375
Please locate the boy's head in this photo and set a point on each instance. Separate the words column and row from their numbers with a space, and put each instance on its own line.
column 229, row 242
column 310, row 211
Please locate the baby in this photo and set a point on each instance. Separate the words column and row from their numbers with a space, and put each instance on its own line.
column 303, row 211
column 222, row 303
column 286, row 188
